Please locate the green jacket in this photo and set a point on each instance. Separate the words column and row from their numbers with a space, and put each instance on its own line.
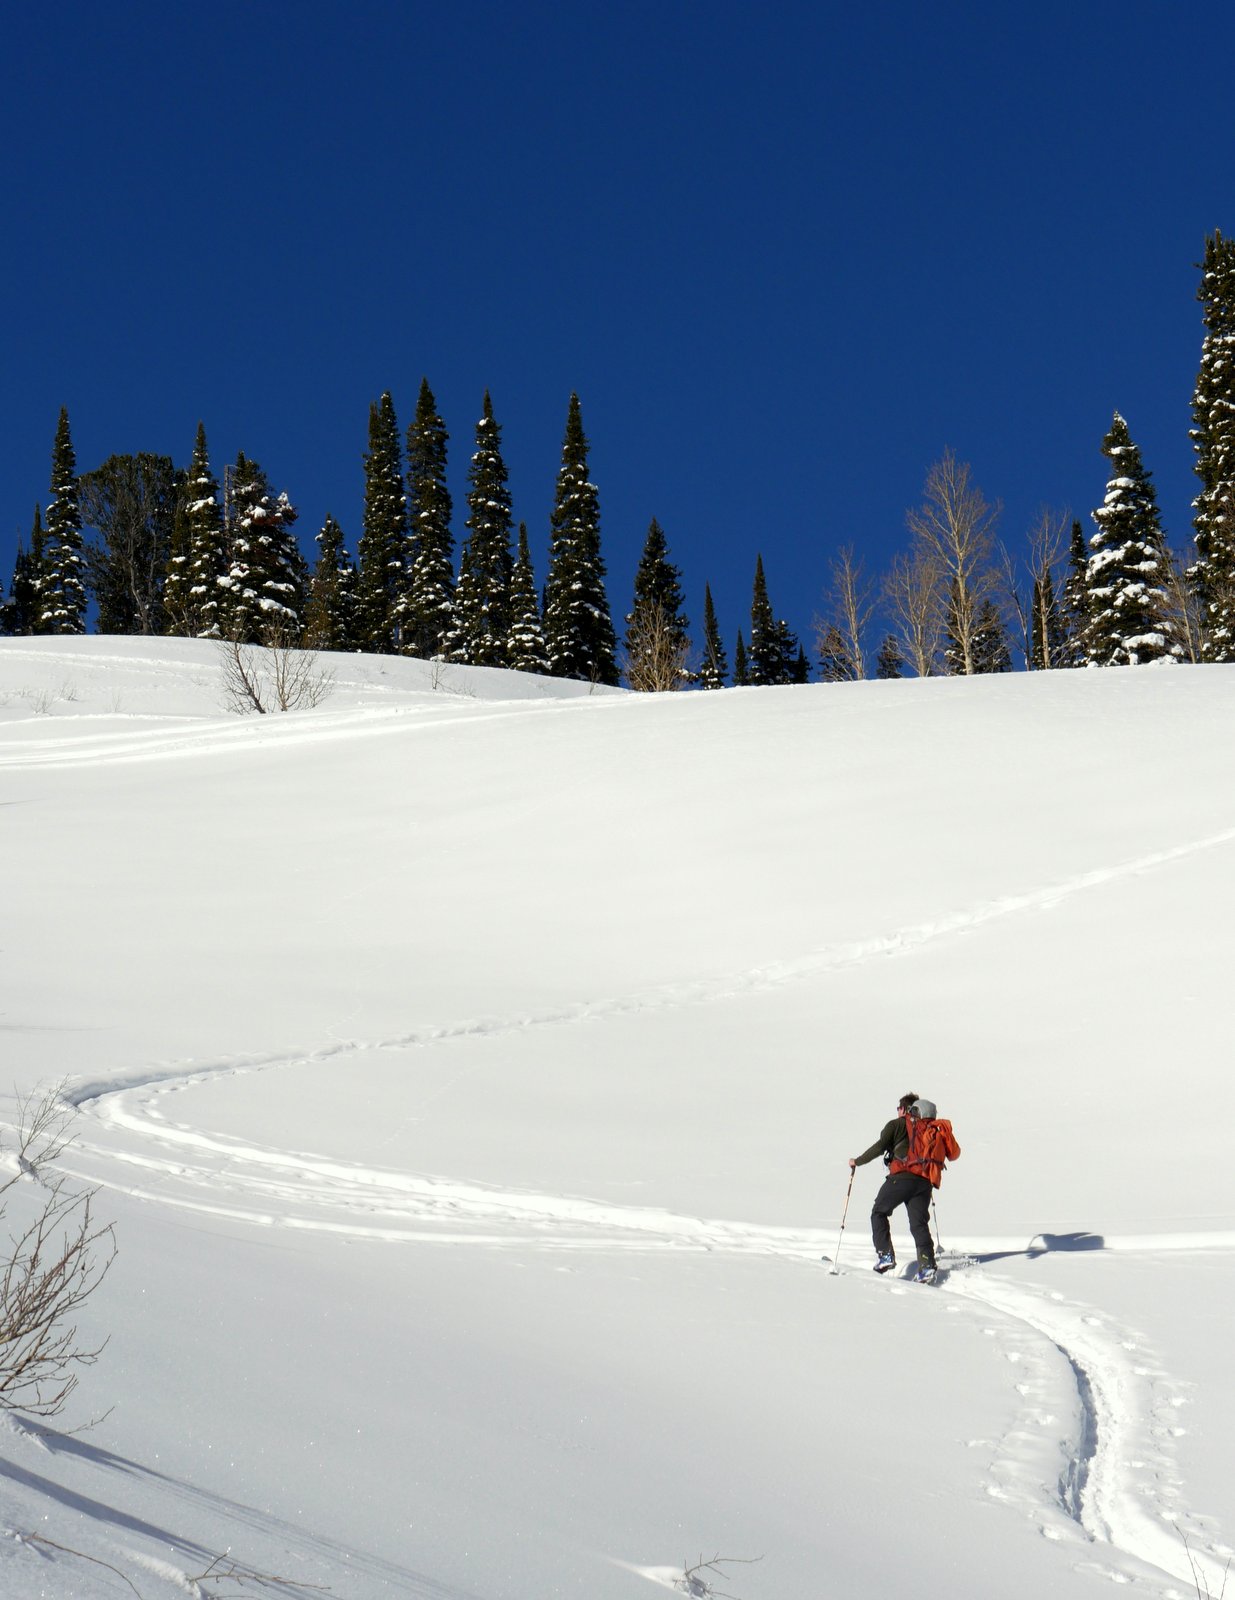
column 893, row 1141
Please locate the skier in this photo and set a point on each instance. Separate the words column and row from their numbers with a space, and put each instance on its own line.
column 914, row 1146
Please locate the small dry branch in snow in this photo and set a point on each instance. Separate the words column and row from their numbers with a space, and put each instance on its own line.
column 699, row 1580
column 221, row 1571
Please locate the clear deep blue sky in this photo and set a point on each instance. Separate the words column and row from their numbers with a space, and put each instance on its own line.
column 786, row 254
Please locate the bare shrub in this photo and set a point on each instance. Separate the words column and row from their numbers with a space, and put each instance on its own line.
column 279, row 675
column 55, row 1263
column 699, row 1580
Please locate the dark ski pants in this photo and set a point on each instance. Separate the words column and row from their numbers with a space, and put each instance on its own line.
column 914, row 1193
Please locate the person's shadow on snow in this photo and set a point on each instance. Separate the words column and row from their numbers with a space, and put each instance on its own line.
column 1045, row 1243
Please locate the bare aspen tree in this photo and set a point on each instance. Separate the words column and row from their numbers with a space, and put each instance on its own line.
column 1031, row 589
column 955, row 526
column 913, row 595
column 851, row 604
column 656, row 652
column 279, row 675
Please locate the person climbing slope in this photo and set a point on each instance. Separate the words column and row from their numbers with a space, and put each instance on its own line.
column 916, row 1145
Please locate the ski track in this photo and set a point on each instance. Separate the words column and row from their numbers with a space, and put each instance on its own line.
column 1106, row 1479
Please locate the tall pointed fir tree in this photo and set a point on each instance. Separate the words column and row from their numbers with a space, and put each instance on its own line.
column 429, row 614
column 578, row 624
column 265, row 583
column 991, row 652
column 775, row 656
column 741, row 672
column 383, row 549
column 1213, row 439
column 1127, row 576
column 204, row 543
column 22, row 611
column 715, row 668
column 525, row 650
column 330, row 612
column 482, row 595
column 62, row 586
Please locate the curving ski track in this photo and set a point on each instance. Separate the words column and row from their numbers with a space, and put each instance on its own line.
column 1117, row 1483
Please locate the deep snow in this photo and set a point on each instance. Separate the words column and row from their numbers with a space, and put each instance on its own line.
column 470, row 1066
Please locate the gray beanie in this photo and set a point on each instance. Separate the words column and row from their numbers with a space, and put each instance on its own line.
column 924, row 1110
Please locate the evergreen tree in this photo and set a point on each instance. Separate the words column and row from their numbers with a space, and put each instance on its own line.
column 204, row 546
column 330, row 612
column 799, row 670
column 1075, row 614
column 774, row 648
column 836, row 663
column 266, row 580
column 1128, row 571
column 741, row 673
column 658, row 592
column 1213, row 438
column 62, row 581
column 990, row 641
column 526, row 647
column 131, row 502
column 715, row 667
column 578, row 626
column 21, row 616
column 482, row 596
column 383, row 543
column 890, row 663
column 429, row 618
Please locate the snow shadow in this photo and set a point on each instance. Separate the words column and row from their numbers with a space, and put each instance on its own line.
column 1046, row 1244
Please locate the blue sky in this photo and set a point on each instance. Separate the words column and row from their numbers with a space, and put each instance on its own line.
column 785, row 254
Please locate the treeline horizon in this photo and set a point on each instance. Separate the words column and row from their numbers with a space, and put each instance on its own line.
column 174, row 551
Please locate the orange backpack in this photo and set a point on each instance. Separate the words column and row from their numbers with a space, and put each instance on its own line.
column 932, row 1145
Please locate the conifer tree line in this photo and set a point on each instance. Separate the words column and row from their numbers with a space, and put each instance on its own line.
column 160, row 549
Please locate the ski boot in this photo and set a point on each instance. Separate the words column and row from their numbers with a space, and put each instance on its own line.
column 886, row 1262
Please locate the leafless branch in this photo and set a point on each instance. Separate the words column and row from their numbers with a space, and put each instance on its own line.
column 913, row 594
column 694, row 1582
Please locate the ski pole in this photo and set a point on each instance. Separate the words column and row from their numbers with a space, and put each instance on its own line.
column 835, row 1269
column 935, row 1221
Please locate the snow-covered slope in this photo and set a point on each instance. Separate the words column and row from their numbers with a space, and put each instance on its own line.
column 470, row 1066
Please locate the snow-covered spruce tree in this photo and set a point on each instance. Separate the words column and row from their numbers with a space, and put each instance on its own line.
column 482, row 595
column 655, row 623
column 330, row 612
column 990, row 641
column 383, row 552
column 525, row 649
column 22, row 610
column 429, row 614
column 578, row 625
column 205, row 545
column 1127, row 575
column 62, row 585
column 890, row 663
column 1074, row 607
column 774, row 651
column 715, row 668
column 1213, row 439
column 264, row 586
column 741, row 672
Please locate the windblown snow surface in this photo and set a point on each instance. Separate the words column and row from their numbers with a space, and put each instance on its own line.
column 470, row 1067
